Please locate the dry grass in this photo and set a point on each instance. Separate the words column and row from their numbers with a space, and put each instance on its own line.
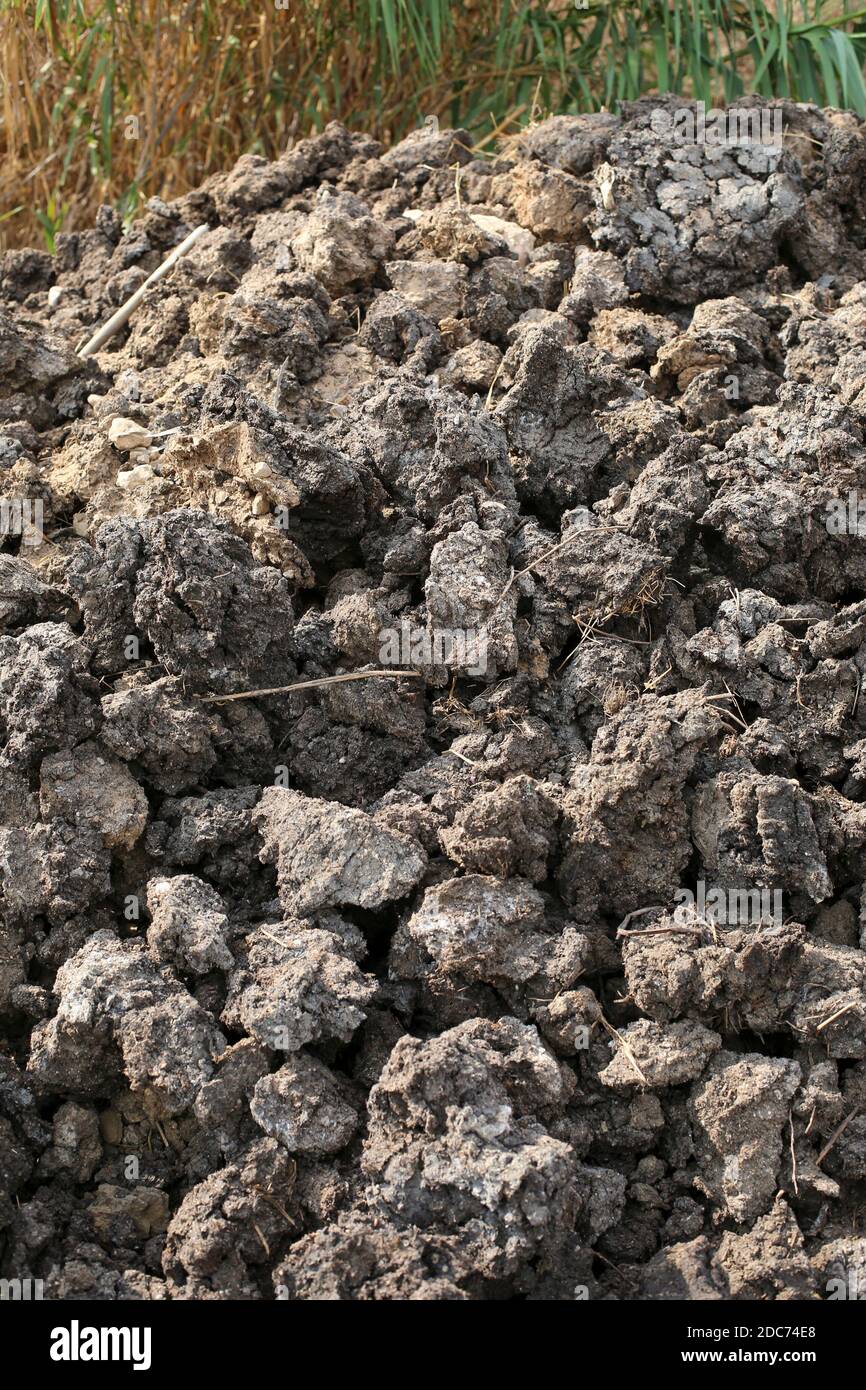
column 107, row 103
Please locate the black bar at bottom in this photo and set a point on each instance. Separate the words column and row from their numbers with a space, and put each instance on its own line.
column 226, row 1339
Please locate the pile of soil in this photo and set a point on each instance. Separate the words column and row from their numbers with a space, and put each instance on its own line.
column 416, row 986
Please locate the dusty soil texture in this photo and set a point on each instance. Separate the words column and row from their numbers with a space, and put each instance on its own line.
column 391, row 989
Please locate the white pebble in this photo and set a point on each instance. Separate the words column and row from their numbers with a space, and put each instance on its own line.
column 126, row 434
column 131, row 478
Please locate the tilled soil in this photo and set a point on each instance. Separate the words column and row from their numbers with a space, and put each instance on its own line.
column 431, row 987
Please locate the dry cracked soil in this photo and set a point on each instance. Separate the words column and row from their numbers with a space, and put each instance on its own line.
column 537, row 971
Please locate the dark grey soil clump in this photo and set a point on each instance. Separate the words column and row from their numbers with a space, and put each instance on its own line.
column 538, row 971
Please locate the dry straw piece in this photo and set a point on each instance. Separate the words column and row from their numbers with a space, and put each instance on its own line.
column 119, row 318
column 309, row 685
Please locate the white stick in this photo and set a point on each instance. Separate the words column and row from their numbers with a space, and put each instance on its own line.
column 119, row 318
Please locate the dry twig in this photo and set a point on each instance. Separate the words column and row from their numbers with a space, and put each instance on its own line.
column 308, row 685
column 120, row 316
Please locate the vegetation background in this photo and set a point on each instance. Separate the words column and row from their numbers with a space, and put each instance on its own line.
column 103, row 101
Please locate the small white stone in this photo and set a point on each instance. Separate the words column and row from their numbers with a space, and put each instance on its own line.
column 126, row 434
column 54, row 295
column 516, row 238
column 139, row 456
column 140, row 475
column 262, row 470
column 131, row 478
column 95, row 399
column 80, row 524
column 605, row 177
column 261, row 505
